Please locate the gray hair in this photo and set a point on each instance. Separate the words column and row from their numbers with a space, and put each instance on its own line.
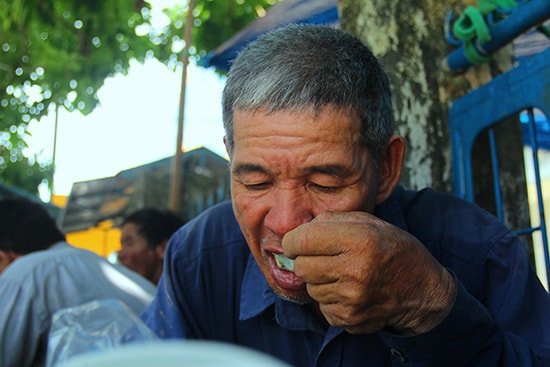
column 298, row 67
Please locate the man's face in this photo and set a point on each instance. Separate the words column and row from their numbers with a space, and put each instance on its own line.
column 286, row 168
column 136, row 254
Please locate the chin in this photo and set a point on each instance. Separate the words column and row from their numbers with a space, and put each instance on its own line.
column 301, row 299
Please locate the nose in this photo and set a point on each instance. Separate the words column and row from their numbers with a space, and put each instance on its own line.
column 290, row 208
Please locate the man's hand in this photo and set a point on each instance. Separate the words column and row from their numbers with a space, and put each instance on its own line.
column 368, row 275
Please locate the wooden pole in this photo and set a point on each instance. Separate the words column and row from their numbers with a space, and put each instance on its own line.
column 176, row 186
column 56, row 122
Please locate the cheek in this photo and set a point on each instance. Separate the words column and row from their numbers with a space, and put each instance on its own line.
column 356, row 200
column 131, row 255
column 250, row 213
column 136, row 252
column 247, row 211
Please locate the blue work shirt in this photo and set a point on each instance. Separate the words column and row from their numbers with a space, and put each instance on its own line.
column 213, row 289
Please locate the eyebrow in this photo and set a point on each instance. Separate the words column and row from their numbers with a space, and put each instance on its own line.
column 245, row 168
column 335, row 170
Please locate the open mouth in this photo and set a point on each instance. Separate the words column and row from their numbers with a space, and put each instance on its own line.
column 284, row 262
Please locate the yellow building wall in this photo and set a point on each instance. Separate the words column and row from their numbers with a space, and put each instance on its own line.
column 103, row 240
column 59, row 200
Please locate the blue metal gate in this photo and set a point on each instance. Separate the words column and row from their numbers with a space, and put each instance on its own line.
column 518, row 91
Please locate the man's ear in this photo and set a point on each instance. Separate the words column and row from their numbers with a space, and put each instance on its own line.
column 161, row 249
column 390, row 172
column 6, row 258
column 226, row 146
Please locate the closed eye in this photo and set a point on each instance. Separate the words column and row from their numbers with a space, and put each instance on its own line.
column 324, row 189
column 252, row 177
column 259, row 186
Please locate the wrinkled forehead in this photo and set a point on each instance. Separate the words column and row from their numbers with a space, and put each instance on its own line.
column 331, row 125
column 314, row 112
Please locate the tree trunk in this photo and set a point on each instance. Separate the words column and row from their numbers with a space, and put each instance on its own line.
column 407, row 36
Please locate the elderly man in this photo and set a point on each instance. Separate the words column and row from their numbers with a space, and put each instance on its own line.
column 322, row 258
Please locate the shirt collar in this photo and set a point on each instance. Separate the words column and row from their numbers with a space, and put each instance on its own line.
column 391, row 210
column 59, row 245
column 256, row 294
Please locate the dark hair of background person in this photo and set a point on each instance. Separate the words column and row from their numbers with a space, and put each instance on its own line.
column 155, row 225
column 26, row 226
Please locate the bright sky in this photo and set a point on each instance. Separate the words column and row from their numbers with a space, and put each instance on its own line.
column 135, row 124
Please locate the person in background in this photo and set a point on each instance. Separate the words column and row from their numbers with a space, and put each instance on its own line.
column 322, row 258
column 143, row 238
column 40, row 273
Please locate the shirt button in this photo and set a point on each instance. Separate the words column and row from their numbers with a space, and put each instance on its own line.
column 398, row 355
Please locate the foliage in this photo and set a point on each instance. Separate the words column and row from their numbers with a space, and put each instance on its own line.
column 59, row 52
column 215, row 22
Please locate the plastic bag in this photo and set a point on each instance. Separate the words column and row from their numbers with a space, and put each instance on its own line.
column 93, row 326
column 176, row 353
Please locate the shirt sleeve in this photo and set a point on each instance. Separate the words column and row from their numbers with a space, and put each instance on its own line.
column 22, row 328
column 507, row 325
column 163, row 315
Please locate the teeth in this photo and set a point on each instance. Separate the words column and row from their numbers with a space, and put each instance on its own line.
column 284, row 262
